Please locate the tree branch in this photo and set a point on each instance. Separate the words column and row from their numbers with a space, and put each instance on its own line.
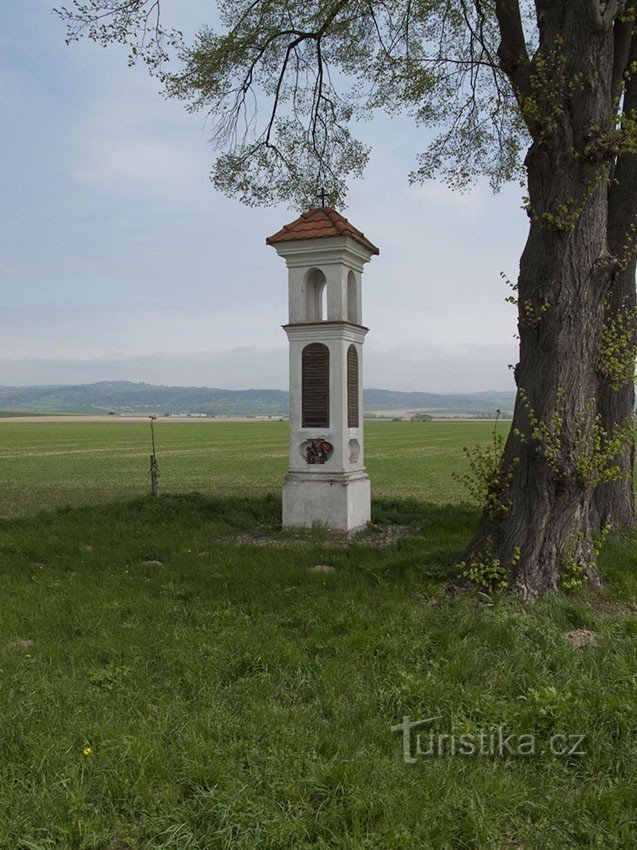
column 605, row 11
column 512, row 52
column 622, row 195
column 621, row 45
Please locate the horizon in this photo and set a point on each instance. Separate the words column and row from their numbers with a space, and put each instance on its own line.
column 242, row 389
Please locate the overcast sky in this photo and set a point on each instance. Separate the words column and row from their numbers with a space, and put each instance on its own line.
column 120, row 261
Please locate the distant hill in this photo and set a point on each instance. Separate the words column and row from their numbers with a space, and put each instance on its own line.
column 129, row 397
column 485, row 402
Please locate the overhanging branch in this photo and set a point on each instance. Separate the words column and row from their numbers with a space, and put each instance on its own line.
column 512, row 52
column 621, row 51
column 622, row 195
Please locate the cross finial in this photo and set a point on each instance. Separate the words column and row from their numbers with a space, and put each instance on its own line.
column 322, row 197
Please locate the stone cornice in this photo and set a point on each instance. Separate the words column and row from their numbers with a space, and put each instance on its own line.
column 326, row 330
column 326, row 251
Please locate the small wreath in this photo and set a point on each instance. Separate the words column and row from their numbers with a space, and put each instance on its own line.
column 318, row 450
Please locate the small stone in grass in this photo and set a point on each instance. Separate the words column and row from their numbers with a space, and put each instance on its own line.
column 322, row 568
column 581, row 638
column 153, row 564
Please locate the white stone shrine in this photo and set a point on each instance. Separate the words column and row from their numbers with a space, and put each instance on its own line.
column 326, row 483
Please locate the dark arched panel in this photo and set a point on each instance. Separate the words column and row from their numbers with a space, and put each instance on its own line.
column 352, row 387
column 315, row 386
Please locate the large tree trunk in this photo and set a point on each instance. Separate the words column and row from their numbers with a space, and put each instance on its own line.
column 615, row 501
column 544, row 523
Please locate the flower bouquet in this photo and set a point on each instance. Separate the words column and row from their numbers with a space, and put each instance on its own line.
column 318, row 450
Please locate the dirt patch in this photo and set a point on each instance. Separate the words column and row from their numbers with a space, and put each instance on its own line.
column 605, row 606
column 375, row 537
column 582, row 638
column 20, row 645
column 57, row 418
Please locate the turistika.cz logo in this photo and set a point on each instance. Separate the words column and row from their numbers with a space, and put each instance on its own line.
column 494, row 742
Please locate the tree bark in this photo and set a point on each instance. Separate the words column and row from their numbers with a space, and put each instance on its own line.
column 615, row 501
column 545, row 521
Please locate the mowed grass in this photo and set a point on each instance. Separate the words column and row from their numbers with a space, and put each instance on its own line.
column 174, row 677
column 45, row 464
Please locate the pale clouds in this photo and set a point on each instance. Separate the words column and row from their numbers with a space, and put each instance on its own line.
column 130, row 140
column 249, row 367
column 230, row 368
column 112, row 239
column 429, row 368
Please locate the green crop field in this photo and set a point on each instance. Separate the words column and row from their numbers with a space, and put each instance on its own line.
column 177, row 676
column 45, row 464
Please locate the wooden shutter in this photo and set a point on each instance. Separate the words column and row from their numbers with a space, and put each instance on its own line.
column 352, row 387
column 315, row 389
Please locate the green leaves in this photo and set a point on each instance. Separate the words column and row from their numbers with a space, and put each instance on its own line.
column 285, row 86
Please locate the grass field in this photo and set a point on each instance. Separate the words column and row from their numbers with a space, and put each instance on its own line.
column 174, row 677
column 48, row 464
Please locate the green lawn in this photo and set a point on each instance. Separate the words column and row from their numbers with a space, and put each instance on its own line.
column 174, row 676
column 46, row 464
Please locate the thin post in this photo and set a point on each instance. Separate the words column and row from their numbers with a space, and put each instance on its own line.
column 154, row 468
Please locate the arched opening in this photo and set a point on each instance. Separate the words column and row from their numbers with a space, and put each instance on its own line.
column 315, row 386
column 352, row 299
column 352, row 388
column 316, row 294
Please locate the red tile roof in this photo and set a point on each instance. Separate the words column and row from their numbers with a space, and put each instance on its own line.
column 317, row 224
